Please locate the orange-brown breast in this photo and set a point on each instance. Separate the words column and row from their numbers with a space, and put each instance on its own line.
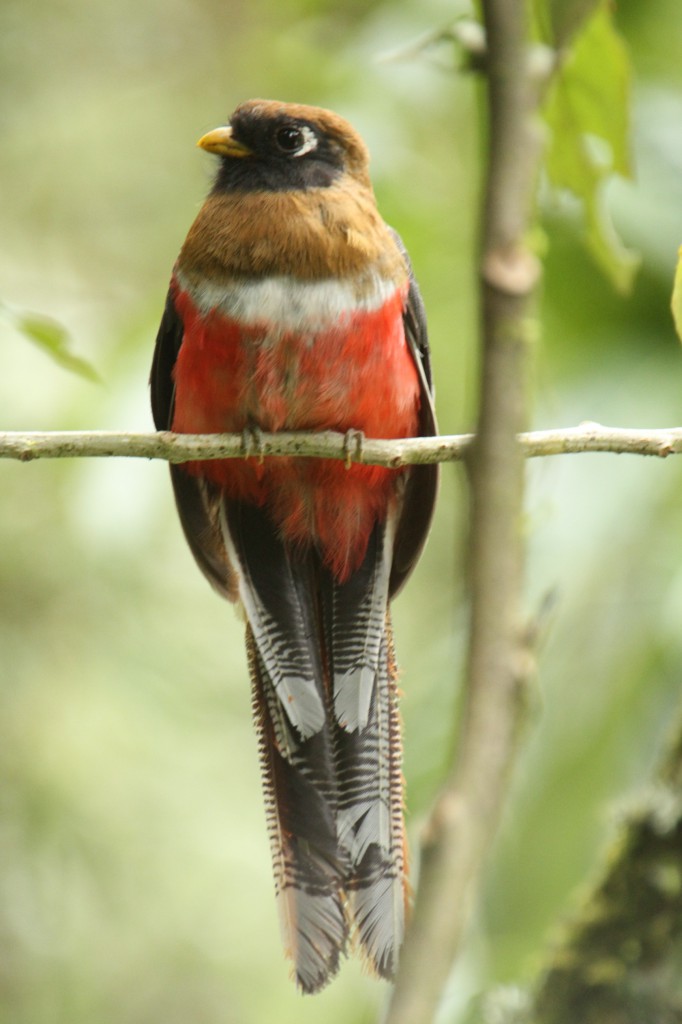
column 325, row 232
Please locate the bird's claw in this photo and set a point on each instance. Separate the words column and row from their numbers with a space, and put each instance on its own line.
column 252, row 443
column 353, row 445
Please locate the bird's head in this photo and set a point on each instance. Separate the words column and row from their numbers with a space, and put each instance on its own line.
column 284, row 147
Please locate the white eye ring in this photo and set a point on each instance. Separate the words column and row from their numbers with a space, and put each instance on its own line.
column 295, row 139
column 309, row 141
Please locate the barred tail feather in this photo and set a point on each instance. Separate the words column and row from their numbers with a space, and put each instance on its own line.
column 368, row 751
column 300, row 801
column 356, row 614
column 325, row 704
column 378, row 910
column 371, row 822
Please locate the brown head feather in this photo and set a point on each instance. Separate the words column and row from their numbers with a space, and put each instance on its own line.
column 309, row 233
column 330, row 124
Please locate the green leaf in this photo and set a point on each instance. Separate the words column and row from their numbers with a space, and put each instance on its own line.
column 540, row 22
column 566, row 18
column 676, row 302
column 616, row 261
column 588, row 113
column 51, row 337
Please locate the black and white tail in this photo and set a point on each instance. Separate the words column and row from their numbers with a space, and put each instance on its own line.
column 325, row 705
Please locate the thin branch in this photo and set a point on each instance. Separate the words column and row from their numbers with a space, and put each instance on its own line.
column 468, row 808
column 588, row 437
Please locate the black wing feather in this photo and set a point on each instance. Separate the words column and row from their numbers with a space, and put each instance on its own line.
column 421, row 486
column 168, row 342
column 198, row 501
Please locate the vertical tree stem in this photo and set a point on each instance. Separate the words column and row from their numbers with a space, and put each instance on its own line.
column 467, row 811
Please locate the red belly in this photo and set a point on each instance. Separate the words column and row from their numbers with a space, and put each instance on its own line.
column 358, row 374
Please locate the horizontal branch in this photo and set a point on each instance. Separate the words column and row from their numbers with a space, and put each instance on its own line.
column 588, row 437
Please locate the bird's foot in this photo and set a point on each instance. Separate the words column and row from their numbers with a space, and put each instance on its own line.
column 252, row 443
column 353, row 445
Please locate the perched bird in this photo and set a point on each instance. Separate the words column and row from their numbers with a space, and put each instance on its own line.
column 292, row 306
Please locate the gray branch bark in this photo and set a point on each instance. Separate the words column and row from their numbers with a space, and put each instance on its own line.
column 588, row 437
column 466, row 813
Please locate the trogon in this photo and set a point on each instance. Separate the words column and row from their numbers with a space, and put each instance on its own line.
column 292, row 307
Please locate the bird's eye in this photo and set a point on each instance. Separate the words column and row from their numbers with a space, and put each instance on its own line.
column 295, row 140
column 289, row 138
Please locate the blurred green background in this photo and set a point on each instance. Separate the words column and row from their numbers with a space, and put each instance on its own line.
column 135, row 880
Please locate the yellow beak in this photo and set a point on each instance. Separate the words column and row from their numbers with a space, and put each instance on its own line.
column 220, row 141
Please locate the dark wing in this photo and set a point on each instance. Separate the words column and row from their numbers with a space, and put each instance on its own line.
column 168, row 342
column 421, row 486
column 197, row 500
